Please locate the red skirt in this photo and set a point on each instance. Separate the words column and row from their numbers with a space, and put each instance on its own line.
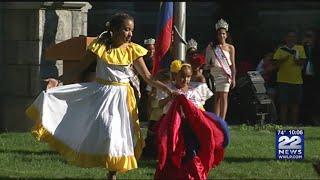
column 190, row 141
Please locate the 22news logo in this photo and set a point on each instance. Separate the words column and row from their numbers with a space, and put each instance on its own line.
column 290, row 144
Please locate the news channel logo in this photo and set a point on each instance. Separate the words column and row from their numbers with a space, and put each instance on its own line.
column 290, row 144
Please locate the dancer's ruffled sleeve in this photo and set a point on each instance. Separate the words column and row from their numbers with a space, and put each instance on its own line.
column 137, row 51
column 97, row 47
column 117, row 56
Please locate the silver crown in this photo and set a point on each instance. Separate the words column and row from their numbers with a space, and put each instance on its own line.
column 192, row 44
column 222, row 24
column 149, row 41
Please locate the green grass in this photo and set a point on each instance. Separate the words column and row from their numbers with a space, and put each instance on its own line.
column 251, row 154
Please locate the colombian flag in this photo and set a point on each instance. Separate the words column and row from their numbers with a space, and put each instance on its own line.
column 164, row 31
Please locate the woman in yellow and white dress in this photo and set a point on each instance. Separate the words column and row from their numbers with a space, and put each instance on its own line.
column 96, row 124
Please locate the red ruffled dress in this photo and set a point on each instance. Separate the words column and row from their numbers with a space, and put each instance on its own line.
column 190, row 141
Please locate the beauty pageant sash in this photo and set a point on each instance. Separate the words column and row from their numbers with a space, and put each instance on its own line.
column 223, row 61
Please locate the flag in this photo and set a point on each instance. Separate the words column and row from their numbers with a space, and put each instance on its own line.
column 164, row 31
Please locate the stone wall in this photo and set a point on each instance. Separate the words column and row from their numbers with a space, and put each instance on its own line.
column 29, row 28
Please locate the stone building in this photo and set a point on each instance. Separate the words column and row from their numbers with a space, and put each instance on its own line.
column 28, row 28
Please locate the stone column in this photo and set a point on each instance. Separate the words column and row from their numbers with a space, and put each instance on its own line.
column 28, row 29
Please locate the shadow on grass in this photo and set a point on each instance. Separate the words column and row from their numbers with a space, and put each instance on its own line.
column 26, row 152
column 245, row 160
column 32, row 155
column 147, row 163
column 312, row 138
column 7, row 177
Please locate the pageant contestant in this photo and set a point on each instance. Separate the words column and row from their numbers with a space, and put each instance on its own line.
column 197, row 62
column 220, row 57
column 96, row 124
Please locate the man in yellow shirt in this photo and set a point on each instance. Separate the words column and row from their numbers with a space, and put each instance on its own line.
column 290, row 59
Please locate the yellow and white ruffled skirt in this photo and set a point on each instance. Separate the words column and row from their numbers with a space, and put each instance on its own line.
column 90, row 124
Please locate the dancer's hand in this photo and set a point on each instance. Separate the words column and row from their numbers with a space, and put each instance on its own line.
column 51, row 83
column 174, row 94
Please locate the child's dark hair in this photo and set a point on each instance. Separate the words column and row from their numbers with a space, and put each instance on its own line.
column 116, row 22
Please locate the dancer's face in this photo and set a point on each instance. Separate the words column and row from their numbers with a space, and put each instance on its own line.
column 125, row 33
column 183, row 77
